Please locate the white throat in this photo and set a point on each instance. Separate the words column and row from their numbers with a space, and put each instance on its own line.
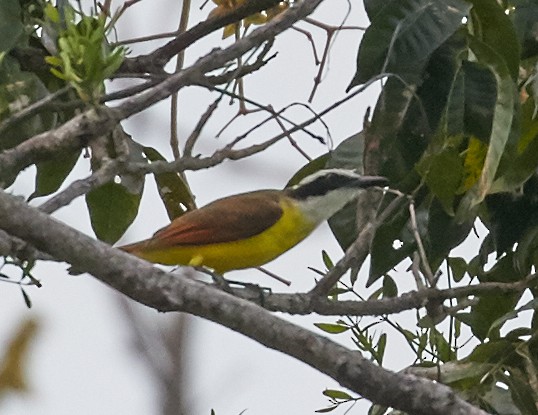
column 321, row 208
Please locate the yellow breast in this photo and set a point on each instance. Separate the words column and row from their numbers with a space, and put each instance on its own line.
column 288, row 231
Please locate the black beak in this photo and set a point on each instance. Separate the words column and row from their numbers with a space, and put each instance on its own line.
column 370, row 181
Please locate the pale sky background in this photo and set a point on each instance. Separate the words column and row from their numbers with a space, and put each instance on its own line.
column 83, row 360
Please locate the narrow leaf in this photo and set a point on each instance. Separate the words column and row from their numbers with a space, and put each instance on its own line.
column 337, row 394
column 326, row 410
column 531, row 305
column 498, row 31
column 331, row 328
column 174, row 192
column 502, row 120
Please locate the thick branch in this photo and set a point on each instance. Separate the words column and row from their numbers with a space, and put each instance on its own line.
column 163, row 291
column 155, row 61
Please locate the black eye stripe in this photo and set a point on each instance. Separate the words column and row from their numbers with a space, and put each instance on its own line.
column 329, row 181
column 322, row 185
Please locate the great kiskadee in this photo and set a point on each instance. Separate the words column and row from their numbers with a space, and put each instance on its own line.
column 250, row 229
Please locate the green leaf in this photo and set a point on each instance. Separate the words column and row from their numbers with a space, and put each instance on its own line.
column 51, row 174
column 392, row 243
column 381, row 345
column 175, row 194
column 331, row 328
column 309, row 168
column 437, row 89
column 377, row 410
column 390, row 289
column 499, row 353
column 521, row 165
column 531, row 305
column 491, row 307
column 337, row 394
column 373, row 7
column 443, row 173
column 464, row 375
column 524, row 19
column 387, row 140
column 327, row 261
column 442, row 347
column 526, row 254
column 401, row 38
column 18, row 90
column 499, row 401
column 112, row 209
column 480, row 89
column 458, row 267
column 348, row 155
column 443, row 233
column 497, row 30
column 376, row 295
column 325, row 410
column 343, row 225
column 502, row 120
column 11, row 27
column 336, row 291
column 522, row 394
column 512, row 216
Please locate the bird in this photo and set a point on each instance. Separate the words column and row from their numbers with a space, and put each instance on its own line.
column 251, row 229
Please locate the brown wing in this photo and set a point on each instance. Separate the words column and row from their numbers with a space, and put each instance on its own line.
column 229, row 219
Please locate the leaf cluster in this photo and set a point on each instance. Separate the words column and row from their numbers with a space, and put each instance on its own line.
column 83, row 59
column 455, row 126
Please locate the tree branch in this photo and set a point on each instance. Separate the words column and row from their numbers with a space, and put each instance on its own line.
column 155, row 61
column 307, row 303
column 76, row 133
column 163, row 291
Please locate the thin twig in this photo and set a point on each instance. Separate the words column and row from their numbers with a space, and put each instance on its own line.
column 331, row 32
column 415, row 270
column 273, row 275
column 292, row 141
column 310, row 39
column 191, row 141
column 269, row 109
column 227, row 152
column 422, row 252
column 130, row 91
column 146, row 38
column 80, row 187
column 174, row 141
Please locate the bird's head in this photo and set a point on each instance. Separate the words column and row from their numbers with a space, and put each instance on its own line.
column 325, row 192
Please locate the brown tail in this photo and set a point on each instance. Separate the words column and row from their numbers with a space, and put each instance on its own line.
column 133, row 248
